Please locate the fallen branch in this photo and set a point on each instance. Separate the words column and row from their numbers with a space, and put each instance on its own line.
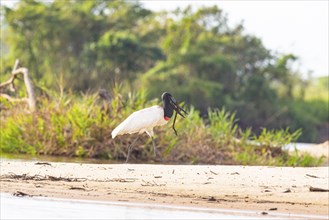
column 309, row 175
column 21, row 194
column 11, row 99
column 10, row 81
column 316, row 189
column 13, row 176
column 28, row 84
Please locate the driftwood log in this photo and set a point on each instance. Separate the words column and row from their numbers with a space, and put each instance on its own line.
column 30, row 100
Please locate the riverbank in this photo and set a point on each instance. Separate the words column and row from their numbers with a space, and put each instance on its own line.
column 265, row 189
column 318, row 150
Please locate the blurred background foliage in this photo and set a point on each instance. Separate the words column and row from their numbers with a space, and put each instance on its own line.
column 88, row 45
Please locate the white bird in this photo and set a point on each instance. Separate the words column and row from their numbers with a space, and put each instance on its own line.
column 146, row 119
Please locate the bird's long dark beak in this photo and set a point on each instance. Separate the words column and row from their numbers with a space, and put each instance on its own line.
column 177, row 108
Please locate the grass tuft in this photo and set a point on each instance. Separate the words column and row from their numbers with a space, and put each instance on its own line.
column 80, row 126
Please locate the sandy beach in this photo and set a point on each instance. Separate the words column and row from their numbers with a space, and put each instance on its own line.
column 266, row 189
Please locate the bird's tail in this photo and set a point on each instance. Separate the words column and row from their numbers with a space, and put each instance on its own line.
column 114, row 134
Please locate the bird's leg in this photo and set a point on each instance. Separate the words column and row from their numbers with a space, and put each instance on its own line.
column 156, row 152
column 130, row 149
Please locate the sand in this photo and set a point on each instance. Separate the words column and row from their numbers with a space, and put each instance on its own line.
column 282, row 189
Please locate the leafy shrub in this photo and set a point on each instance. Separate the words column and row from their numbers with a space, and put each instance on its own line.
column 81, row 126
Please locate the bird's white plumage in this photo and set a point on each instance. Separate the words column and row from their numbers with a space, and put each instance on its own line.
column 141, row 121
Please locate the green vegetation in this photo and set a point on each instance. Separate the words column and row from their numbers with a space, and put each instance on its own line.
column 81, row 126
column 85, row 46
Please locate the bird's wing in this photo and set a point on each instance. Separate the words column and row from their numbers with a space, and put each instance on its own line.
column 141, row 120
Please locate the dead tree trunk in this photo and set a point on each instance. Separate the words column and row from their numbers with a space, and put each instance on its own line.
column 28, row 84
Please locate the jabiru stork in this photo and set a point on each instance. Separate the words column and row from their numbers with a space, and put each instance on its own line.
column 146, row 119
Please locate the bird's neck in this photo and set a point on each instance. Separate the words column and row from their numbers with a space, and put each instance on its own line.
column 168, row 110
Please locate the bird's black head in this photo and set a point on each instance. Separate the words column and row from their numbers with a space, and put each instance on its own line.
column 169, row 105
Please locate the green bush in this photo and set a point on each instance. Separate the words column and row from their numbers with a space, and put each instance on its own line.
column 80, row 126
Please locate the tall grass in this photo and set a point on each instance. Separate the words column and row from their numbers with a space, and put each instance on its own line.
column 81, row 125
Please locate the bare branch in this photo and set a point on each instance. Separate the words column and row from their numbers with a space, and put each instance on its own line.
column 8, row 82
column 28, row 84
column 11, row 79
column 12, row 86
column 11, row 99
column 16, row 65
